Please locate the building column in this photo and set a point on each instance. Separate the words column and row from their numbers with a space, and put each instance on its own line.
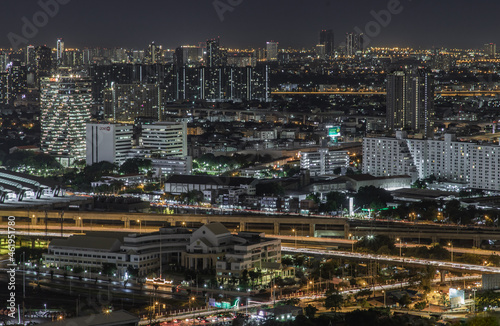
column 312, row 229
column 276, row 228
column 346, row 231
column 443, row 277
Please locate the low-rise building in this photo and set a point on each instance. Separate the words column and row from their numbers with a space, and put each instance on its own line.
column 214, row 247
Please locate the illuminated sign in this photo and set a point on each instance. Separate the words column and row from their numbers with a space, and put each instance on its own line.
column 334, row 132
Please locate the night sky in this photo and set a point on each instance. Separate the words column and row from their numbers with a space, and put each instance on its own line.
column 295, row 23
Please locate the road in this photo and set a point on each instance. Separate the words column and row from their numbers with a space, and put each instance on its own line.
column 397, row 260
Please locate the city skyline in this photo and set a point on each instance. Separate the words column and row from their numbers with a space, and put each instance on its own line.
column 252, row 24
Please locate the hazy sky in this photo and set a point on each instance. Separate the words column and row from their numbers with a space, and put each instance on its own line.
column 250, row 23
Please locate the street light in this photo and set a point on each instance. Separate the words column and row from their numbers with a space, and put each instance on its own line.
column 352, row 243
column 140, row 226
column 295, row 233
column 81, row 224
column 451, row 245
column 398, row 239
column 385, row 305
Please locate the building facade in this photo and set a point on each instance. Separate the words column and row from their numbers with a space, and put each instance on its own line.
column 323, row 161
column 108, row 142
column 165, row 138
column 65, row 104
column 475, row 165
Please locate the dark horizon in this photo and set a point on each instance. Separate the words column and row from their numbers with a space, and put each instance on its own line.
column 249, row 24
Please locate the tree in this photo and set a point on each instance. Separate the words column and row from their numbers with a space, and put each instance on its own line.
column 372, row 197
column 310, row 311
column 483, row 321
column 108, row 269
column 420, row 305
column 405, row 300
column 334, row 301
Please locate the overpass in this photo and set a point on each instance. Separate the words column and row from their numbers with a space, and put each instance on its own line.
column 271, row 224
column 492, row 93
column 397, row 260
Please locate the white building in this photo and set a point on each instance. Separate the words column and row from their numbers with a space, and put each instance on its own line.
column 323, row 161
column 168, row 138
column 139, row 251
column 108, row 142
column 65, row 109
column 214, row 247
column 473, row 164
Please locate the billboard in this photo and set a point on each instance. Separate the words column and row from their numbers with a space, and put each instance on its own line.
column 334, row 132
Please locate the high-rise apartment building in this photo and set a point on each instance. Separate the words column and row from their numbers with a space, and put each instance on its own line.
column 354, row 43
column 65, row 103
column 60, row 52
column 272, row 51
column 410, row 98
column 108, row 142
column 43, row 61
column 214, row 54
column 472, row 164
column 326, row 38
column 490, row 50
column 126, row 102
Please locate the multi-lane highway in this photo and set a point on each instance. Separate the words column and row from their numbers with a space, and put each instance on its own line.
column 397, row 260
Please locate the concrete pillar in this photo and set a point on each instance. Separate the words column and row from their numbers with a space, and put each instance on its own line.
column 34, row 219
column 243, row 226
column 434, row 239
column 276, row 228
column 346, row 231
column 443, row 277
column 126, row 223
column 312, row 229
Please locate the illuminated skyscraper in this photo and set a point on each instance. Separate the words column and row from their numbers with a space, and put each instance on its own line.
column 326, row 38
column 60, row 52
column 153, row 54
column 214, row 57
column 65, row 104
column 43, row 61
column 410, row 98
column 353, row 43
column 490, row 50
column 272, row 51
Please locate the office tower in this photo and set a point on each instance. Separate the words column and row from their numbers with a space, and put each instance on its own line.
column 73, row 58
column 43, row 61
column 214, row 54
column 17, row 78
column 354, row 44
column 30, row 57
column 326, row 38
column 60, row 52
column 320, row 51
column 153, row 54
column 65, row 104
column 108, row 142
column 272, row 51
column 165, row 138
column 126, row 102
column 188, row 55
column 410, row 98
column 323, row 161
column 490, row 50
column 4, row 88
column 4, row 60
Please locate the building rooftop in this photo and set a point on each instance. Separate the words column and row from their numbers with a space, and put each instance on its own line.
column 116, row 318
column 87, row 242
column 217, row 228
column 212, row 180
